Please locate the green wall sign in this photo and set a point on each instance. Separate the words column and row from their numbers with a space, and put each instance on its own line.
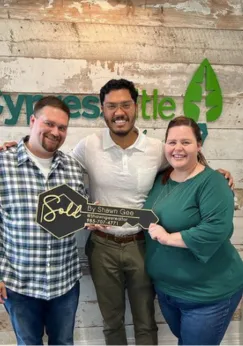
column 194, row 94
column 87, row 108
column 203, row 87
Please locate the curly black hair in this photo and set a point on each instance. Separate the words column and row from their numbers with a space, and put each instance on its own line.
column 117, row 84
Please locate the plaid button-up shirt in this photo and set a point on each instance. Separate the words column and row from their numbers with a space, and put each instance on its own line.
column 32, row 261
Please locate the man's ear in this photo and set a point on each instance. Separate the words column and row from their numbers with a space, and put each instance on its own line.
column 32, row 120
column 136, row 109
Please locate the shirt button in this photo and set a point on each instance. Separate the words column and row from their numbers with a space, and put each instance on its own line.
column 49, row 246
column 48, row 264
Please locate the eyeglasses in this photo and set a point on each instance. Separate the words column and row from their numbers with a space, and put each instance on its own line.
column 126, row 105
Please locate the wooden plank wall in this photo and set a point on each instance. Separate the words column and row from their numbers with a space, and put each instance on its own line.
column 73, row 47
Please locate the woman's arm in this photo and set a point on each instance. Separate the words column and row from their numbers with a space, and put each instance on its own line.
column 216, row 206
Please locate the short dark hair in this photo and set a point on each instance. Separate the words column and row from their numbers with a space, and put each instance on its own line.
column 51, row 101
column 117, row 84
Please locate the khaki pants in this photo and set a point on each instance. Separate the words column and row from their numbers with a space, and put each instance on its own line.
column 114, row 268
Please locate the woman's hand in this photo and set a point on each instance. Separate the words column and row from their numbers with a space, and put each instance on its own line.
column 170, row 239
column 157, row 232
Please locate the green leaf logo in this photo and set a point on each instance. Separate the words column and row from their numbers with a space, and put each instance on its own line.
column 194, row 93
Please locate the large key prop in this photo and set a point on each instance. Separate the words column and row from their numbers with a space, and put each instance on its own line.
column 62, row 211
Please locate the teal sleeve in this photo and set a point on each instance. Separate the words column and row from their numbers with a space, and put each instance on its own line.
column 216, row 206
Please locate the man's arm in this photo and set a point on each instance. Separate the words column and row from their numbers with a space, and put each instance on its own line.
column 216, row 205
column 7, row 145
column 3, row 292
column 227, row 176
column 78, row 153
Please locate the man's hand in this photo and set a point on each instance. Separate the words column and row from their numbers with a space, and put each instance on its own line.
column 227, row 176
column 96, row 227
column 3, row 292
column 7, row 145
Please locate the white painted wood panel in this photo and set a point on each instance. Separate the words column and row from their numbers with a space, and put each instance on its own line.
column 225, row 14
column 237, row 237
column 77, row 76
column 136, row 43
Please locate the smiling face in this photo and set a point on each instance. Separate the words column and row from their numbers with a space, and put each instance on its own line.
column 48, row 131
column 181, row 148
column 119, row 118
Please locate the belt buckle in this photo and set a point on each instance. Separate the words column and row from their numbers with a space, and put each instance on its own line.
column 117, row 239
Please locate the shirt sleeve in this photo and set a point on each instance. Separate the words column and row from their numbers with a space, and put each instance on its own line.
column 78, row 153
column 216, row 206
column 1, row 244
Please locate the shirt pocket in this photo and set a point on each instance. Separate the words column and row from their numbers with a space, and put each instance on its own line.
column 146, row 178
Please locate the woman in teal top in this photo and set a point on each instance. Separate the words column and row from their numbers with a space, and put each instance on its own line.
column 196, row 271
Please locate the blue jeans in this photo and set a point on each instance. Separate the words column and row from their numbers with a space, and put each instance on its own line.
column 198, row 323
column 29, row 317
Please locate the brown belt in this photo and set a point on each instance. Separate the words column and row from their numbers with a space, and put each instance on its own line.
column 120, row 239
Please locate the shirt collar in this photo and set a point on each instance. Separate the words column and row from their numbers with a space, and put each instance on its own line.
column 139, row 144
column 58, row 158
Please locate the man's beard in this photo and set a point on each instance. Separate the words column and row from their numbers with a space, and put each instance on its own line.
column 120, row 132
column 51, row 147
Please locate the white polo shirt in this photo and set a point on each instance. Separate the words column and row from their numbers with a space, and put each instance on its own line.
column 120, row 177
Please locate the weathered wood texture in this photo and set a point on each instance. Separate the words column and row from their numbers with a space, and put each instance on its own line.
column 75, row 76
column 136, row 43
column 220, row 14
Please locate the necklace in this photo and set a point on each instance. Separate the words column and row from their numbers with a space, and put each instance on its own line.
column 179, row 184
column 190, row 173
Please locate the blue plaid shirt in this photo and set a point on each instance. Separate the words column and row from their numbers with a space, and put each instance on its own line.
column 32, row 261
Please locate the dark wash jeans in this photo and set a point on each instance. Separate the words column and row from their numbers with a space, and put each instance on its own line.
column 198, row 323
column 30, row 316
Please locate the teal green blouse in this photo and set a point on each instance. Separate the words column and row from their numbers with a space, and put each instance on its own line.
column 201, row 209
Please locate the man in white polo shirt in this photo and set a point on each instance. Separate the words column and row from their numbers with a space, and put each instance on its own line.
column 121, row 163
